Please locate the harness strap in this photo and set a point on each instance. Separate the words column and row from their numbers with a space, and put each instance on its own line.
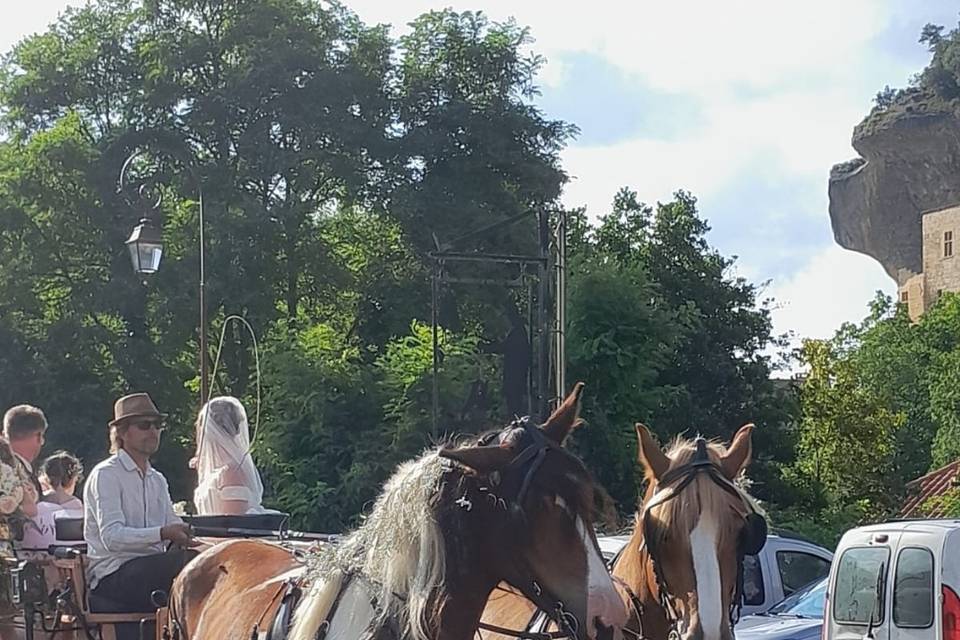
column 523, row 635
column 276, row 596
column 636, row 604
column 537, row 461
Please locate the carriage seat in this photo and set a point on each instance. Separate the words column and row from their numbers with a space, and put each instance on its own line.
column 95, row 610
column 100, row 604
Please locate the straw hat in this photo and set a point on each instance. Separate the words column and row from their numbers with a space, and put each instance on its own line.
column 135, row 405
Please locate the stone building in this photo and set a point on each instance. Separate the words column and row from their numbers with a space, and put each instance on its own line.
column 941, row 266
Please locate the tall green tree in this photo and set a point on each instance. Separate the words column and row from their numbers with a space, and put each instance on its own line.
column 277, row 109
column 328, row 153
column 885, row 388
column 669, row 338
column 841, row 415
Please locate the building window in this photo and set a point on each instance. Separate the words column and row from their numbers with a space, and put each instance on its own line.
column 947, row 244
column 904, row 297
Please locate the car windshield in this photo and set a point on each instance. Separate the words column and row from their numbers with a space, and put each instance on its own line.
column 807, row 602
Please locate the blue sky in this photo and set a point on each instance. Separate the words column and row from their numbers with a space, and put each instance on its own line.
column 746, row 104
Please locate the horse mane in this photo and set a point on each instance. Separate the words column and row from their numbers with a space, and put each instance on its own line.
column 399, row 548
column 707, row 499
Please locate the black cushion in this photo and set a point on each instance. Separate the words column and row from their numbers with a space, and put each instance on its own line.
column 263, row 521
column 101, row 604
column 69, row 529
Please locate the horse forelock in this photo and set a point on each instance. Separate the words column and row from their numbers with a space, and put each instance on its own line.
column 704, row 498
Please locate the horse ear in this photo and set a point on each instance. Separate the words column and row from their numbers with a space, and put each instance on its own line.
column 566, row 418
column 483, row 460
column 653, row 459
column 738, row 453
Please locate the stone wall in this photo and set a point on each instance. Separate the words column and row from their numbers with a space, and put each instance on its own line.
column 941, row 272
column 912, row 294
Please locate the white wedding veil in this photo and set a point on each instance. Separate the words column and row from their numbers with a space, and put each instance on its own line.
column 223, row 445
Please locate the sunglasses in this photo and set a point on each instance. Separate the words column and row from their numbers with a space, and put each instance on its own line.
column 144, row 425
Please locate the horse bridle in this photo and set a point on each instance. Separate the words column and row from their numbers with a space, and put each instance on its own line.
column 526, row 464
column 752, row 537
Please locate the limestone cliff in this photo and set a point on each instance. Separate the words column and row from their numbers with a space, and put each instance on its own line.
column 909, row 163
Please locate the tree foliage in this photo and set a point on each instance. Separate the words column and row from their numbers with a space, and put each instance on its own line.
column 667, row 336
column 879, row 409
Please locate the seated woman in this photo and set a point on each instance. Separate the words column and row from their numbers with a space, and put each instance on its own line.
column 62, row 472
column 228, row 480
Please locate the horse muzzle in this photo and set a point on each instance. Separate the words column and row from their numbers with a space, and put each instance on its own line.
column 606, row 614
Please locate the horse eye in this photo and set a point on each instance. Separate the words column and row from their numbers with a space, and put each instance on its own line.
column 560, row 502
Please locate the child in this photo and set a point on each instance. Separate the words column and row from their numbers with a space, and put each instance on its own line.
column 62, row 472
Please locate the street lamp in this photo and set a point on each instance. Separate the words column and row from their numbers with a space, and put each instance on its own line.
column 146, row 246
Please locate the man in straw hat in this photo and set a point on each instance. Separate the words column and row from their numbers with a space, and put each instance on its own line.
column 128, row 515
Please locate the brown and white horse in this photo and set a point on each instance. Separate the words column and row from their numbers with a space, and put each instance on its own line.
column 679, row 574
column 513, row 506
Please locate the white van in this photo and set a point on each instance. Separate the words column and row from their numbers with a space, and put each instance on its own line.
column 896, row 581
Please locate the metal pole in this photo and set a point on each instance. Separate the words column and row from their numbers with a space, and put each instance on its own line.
column 561, row 310
column 543, row 324
column 434, row 299
column 531, row 327
column 204, row 376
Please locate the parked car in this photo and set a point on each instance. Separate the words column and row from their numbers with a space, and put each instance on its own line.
column 896, row 581
column 786, row 563
column 797, row 617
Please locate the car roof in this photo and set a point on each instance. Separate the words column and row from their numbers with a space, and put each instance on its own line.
column 611, row 545
column 934, row 526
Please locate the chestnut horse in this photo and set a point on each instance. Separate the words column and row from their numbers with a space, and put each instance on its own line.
column 680, row 571
column 513, row 506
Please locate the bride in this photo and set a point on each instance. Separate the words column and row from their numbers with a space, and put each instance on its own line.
column 229, row 482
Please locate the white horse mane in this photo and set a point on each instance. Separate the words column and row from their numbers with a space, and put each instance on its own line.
column 399, row 548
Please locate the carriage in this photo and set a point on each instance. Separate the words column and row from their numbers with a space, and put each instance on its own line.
column 48, row 587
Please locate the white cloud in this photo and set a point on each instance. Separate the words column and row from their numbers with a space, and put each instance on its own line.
column 691, row 46
column 21, row 19
column 835, row 286
column 797, row 134
column 701, row 47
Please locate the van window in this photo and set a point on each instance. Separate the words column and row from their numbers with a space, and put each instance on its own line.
column 808, row 602
column 798, row 569
column 860, row 585
column 753, row 591
column 913, row 589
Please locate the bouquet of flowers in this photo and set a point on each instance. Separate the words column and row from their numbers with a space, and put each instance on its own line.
column 11, row 497
column 11, row 490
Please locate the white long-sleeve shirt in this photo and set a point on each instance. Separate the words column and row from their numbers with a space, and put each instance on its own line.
column 124, row 510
